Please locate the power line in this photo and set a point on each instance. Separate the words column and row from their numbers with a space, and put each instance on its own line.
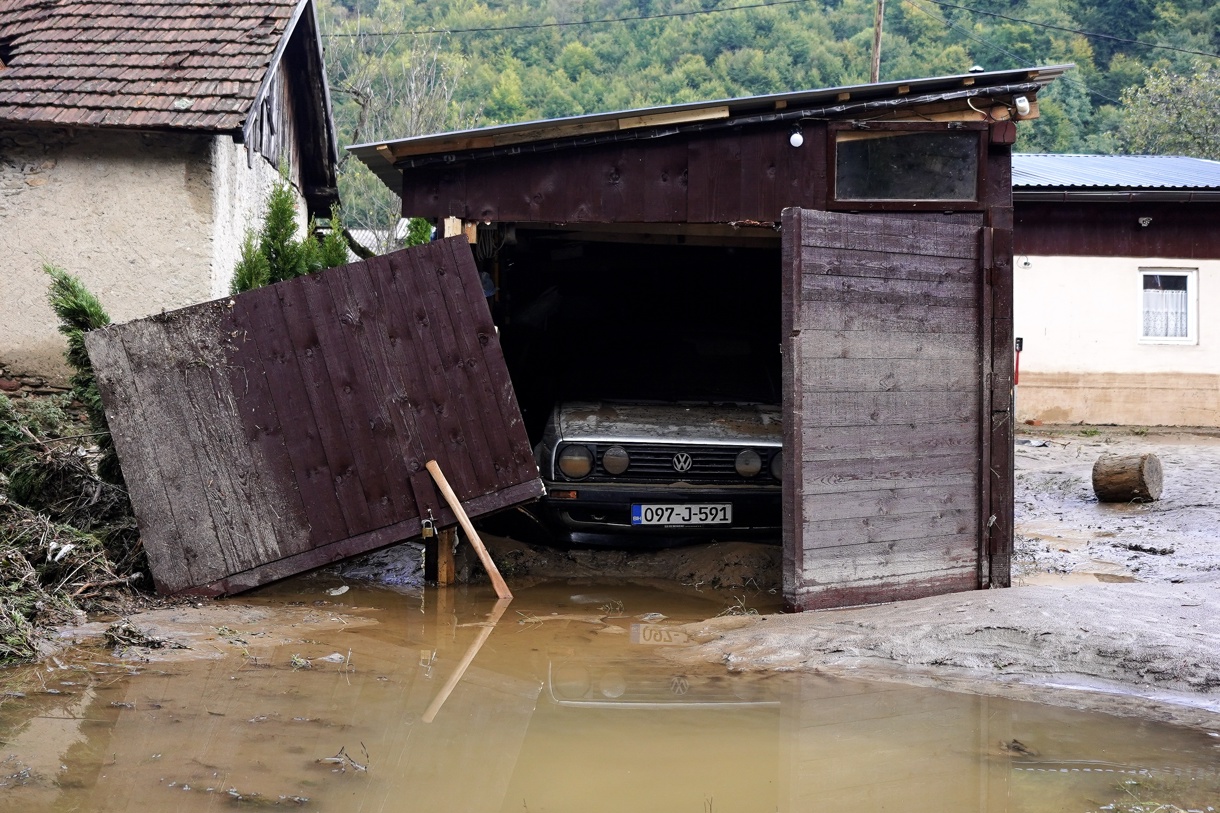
column 1001, row 49
column 571, row 23
column 772, row 3
column 1089, row 34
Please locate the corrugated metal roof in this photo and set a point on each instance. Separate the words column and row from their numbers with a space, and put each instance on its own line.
column 1113, row 172
column 194, row 64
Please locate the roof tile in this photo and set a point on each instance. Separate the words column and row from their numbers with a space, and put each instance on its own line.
column 108, row 62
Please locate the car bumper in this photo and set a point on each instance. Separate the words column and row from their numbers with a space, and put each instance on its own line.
column 599, row 515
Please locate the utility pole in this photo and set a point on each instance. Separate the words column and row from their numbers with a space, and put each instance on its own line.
column 875, row 73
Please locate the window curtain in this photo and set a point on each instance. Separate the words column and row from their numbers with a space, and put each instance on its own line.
column 1165, row 314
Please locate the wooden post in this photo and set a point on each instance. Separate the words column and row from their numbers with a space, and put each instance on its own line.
column 453, row 226
column 446, row 573
column 455, row 505
column 878, row 21
column 438, row 557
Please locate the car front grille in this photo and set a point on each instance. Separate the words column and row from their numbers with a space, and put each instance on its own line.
column 655, row 463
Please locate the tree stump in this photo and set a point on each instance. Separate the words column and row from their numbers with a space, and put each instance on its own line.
column 1127, row 478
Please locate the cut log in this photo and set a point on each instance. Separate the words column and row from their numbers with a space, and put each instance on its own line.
column 1127, row 478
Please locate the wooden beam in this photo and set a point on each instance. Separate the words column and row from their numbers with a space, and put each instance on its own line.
column 455, row 505
column 446, row 571
column 675, row 117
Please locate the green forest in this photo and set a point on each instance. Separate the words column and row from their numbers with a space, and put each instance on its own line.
column 1147, row 78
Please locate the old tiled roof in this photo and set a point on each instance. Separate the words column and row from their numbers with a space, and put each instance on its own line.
column 193, row 64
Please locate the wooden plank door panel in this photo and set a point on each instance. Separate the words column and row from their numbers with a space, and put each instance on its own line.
column 883, row 405
column 282, row 429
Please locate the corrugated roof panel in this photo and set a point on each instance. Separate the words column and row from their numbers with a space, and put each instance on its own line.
column 1113, row 172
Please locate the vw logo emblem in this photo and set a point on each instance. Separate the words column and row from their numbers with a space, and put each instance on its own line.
column 682, row 462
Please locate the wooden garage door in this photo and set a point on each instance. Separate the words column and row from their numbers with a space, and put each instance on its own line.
column 288, row 427
column 882, row 408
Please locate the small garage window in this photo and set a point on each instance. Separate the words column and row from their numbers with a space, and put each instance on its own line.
column 1168, row 306
column 907, row 165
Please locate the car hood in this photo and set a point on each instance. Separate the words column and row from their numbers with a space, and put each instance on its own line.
column 691, row 423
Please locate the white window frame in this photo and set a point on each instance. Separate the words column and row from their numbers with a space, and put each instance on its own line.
column 1192, row 306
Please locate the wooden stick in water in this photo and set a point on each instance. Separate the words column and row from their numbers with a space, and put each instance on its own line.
column 473, row 650
column 497, row 580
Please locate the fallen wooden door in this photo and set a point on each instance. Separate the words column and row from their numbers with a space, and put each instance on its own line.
column 883, row 408
column 285, row 428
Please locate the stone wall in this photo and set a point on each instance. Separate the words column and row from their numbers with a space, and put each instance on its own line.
column 16, row 385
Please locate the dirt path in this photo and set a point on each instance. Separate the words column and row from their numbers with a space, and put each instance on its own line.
column 1115, row 606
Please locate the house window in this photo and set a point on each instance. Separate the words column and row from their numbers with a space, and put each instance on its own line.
column 907, row 165
column 1168, row 306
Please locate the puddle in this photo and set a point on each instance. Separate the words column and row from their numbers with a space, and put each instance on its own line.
column 1076, row 577
column 566, row 703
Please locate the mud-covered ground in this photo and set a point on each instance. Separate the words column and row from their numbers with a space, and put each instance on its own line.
column 1113, row 607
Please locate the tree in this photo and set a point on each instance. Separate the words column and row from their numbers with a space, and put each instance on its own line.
column 273, row 253
column 1173, row 114
column 384, row 87
column 79, row 311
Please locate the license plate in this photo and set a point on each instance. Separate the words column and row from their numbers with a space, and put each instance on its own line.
column 712, row 513
column 657, row 635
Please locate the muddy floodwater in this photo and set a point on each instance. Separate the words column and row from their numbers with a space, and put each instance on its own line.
column 561, row 700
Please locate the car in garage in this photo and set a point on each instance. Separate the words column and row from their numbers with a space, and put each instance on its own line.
column 649, row 377
column 632, row 474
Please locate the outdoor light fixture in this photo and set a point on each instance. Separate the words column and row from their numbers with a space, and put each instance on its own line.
column 1022, row 104
column 1145, row 222
column 795, row 137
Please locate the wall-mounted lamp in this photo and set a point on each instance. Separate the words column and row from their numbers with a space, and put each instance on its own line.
column 795, row 137
column 1022, row 104
column 1145, row 222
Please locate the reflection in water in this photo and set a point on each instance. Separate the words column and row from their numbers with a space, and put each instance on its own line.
column 562, row 700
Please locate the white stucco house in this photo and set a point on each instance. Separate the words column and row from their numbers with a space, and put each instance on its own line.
column 1117, row 289
column 137, row 144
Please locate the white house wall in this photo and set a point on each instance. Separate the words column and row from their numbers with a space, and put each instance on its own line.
column 1083, row 358
column 148, row 222
column 239, row 197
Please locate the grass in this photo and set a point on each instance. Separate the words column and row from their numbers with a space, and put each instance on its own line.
column 68, row 536
column 738, row 607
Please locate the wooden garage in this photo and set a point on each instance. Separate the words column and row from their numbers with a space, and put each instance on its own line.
column 880, row 218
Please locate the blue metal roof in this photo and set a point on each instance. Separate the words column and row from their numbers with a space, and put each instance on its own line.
column 1113, row 172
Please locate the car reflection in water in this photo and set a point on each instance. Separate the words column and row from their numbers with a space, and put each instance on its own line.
column 631, row 682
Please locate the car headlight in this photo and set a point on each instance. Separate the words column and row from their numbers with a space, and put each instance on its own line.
column 777, row 465
column 613, row 685
column 575, row 461
column 570, row 681
column 615, row 460
column 748, row 463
